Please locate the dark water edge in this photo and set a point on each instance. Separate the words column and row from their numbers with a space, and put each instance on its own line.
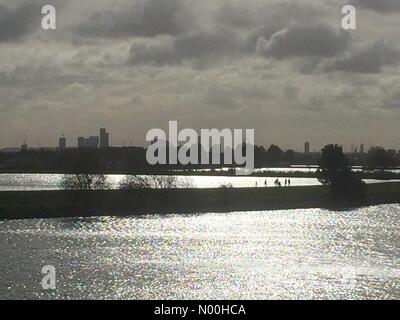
column 57, row 204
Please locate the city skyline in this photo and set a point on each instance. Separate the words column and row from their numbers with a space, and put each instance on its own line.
column 285, row 69
column 299, row 148
column 103, row 141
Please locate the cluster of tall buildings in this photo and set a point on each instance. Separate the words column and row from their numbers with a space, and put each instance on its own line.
column 102, row 141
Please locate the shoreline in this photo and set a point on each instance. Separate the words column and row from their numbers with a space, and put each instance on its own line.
column 64, row 204
column 372, row 175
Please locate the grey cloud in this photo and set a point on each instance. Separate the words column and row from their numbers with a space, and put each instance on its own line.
column 204, row 47
column 393, row 104
column 221, row 98
column 203, row 44
column 28, row 76
column 159, row 52
column 19, row 21
column 382, row 6
column 235, row 16
column 291, row 92
column 147, row 18
column 319, row 40
column 368, row 59
column 270, row 13
column 268, row 17
column 261, row 33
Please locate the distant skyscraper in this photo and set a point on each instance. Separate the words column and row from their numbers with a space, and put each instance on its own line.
column 24, row 146
column 81, row 142
column 362, row 148
column 104, row 138
column 307, row 147
column 62, row 143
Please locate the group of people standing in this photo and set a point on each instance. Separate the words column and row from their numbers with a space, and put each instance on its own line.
column 277, row 183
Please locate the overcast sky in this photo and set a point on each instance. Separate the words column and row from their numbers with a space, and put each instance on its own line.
column 285, row 68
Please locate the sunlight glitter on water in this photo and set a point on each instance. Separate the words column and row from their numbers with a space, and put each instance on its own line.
column 287, row 254
column 36, row 182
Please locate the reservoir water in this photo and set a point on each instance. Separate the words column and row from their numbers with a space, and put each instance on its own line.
column 36, row 182
column 290, row 254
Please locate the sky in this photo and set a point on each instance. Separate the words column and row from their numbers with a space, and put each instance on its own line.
column 284, row 68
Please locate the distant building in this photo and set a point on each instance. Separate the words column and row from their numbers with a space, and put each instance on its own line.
column 362, row 148
column 24, row 146
column 104, row 138
column 81, row 142
column 307, row 147
column 62, row 143
column 91, row 142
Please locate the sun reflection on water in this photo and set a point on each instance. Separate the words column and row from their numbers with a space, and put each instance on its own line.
column 293, row 254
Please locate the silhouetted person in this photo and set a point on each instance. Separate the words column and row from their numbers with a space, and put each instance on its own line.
column 285, row 182
column 265, row 182
column 289, row 182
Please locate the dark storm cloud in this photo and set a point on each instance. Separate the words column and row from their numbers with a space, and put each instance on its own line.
column 369, row 59
column 145, row 18
column 382, row 6
column 235, row 16
column 20, row 21
column 319, row 40
column 206, row 46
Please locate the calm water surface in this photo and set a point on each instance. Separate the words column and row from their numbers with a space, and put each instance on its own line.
column 293, row 254
column 36, row 182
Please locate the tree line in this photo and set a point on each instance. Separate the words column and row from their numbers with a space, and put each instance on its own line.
column 133, row 160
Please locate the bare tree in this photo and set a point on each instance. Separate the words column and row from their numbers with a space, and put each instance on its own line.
column 153, row 182
column 135, row 182
column 84, row 182
column 164, row 182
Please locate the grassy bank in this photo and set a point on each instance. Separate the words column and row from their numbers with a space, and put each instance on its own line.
column 46, row 204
